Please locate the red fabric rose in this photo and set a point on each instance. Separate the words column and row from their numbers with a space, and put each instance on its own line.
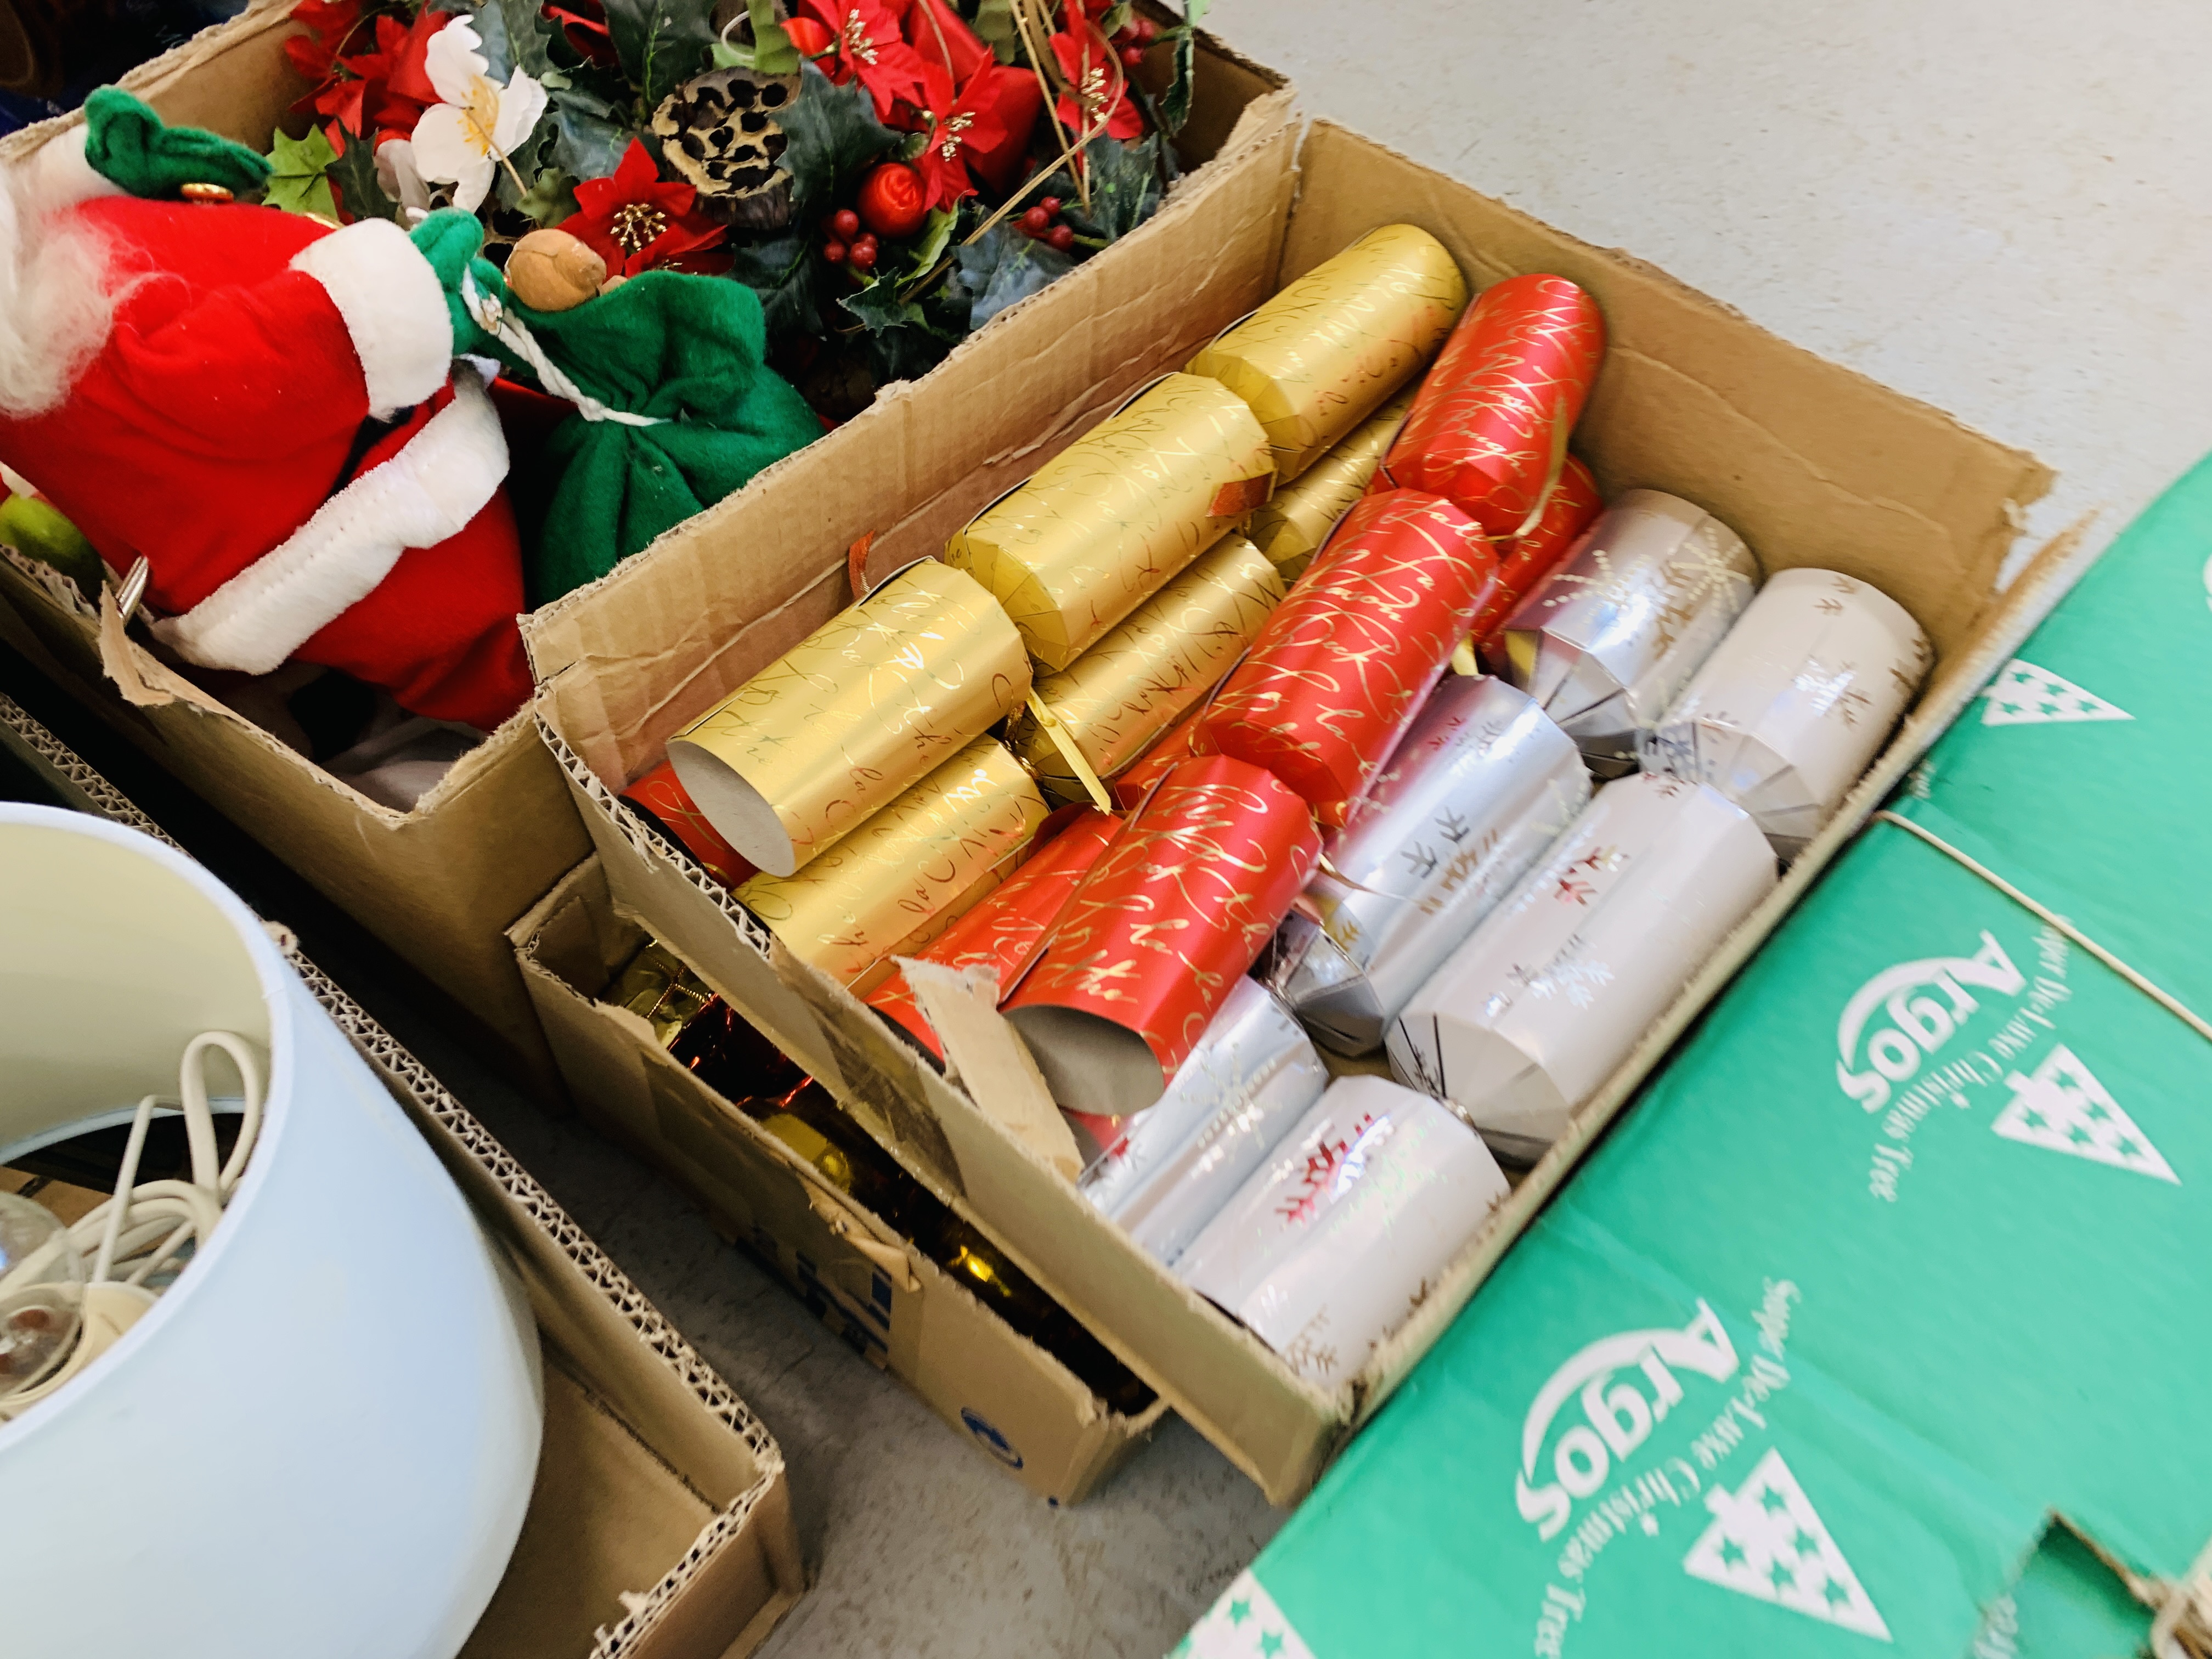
column 635, row 221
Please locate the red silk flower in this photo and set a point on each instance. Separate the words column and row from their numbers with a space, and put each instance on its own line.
column 1089, row 64
column 386, row 90
column 870, row 46
column 942, row 37
column 635, row 221
column 584, row 25
column 959, row 129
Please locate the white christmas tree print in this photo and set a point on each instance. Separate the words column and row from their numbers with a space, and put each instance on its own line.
column 2063, row 1109
column 1766, row 1541
column 1244, row 1624
column 2024, row 694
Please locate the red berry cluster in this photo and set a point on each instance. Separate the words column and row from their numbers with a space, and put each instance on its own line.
column 1131, row 42
column 1037, row 223
column 847, row 243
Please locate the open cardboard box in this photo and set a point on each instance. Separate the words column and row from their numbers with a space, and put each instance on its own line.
column 1021, row 1405
column 1813, row 463
column 441, row 885
column 660, row 1525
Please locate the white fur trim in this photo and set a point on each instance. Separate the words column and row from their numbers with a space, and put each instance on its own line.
column 426, row 493
column 61, row 177
column 393, row 305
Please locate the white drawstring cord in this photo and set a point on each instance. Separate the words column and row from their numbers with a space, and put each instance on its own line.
column 491, row 316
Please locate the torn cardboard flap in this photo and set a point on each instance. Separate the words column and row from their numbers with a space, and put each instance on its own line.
column 984, row 1056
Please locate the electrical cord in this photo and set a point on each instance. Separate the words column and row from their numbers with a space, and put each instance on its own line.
column 140, row 1230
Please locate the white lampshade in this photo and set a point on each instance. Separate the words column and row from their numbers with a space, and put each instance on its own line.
column 322, row 1439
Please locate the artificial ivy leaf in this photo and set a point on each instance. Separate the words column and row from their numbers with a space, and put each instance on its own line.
column 589, row 137
column 1126, row 188
column 299, row 175
column 1003, row 266
column 994, row 26
column 781, row 271
column 352, row 175
column 661, row 44
column 834, row 133
column 878, row 305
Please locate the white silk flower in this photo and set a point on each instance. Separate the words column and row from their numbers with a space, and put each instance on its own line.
column 462, row 139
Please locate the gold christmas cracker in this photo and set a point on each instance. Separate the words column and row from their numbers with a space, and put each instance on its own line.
column 1119, row 695
column 907, row 874
column 863, row 708
column 1292, row 527
column 1317, row 360
column 1104, row 523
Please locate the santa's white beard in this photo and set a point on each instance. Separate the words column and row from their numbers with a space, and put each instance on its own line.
column 55, row 306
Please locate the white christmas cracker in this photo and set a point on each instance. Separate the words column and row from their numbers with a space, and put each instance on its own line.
column 1606, row 641
column 1328, row 1247
column 1524, row 1020
column 1481, row 784
column 1253, row 1075
column 1790, row 707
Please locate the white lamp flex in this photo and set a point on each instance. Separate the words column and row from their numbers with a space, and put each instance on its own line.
column 321, row 1439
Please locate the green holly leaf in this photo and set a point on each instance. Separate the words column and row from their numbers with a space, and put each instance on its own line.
column 1116, row 17
column 299, row 175
column 661, row 44
column 1175, row 102
column 1003, row 267
column 994, row 26
column 353, row 176
column 834, row 134
column 550, row 198
column 1127, row 187
column 879, row 306
column 904, row 354
column 781, row 271
column 516, row 35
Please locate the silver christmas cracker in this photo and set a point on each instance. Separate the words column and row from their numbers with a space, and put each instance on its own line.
column 1481, row 784
column 1526, row 1019
column 1326, row 1247
column 1788, row 711
column 1253, row 1075
column 1608, row 639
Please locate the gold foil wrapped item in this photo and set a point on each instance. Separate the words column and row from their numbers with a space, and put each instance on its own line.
column 907, row 873
column 1290, row 528
column 859, row 711
column 1317, row 359
column 1106, row 522
column 656, row 986
column 1119, row 695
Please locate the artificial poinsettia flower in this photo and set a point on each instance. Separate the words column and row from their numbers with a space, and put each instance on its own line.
column 942, row 37
column 870, row 46
column 955, row 126
column 331, row 25
column 635, row 221
column 462, row 138
column 1101, row 103
column 1015, row 101
column 384, row 90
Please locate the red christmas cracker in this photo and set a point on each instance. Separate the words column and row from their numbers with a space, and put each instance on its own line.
column 1174, row 911
column 1343, row 663
column 660, row 796
column 1486, row 421
column 1573, row 508
column 1006, row 929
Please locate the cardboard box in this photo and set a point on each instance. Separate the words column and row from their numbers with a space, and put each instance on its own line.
column 1813, row 463
column 1021, row 1406
column 660, row 1526
column 1898, row 1250
column 441, row 885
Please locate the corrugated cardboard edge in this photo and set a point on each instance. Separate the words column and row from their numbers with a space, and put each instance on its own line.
column 767, row 1500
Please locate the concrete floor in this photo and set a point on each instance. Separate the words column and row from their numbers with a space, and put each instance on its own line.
column 1998, row 207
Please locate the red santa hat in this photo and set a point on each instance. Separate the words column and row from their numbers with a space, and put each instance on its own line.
column 264, row 408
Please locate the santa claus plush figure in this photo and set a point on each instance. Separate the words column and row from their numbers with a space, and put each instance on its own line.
column 266, row 409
